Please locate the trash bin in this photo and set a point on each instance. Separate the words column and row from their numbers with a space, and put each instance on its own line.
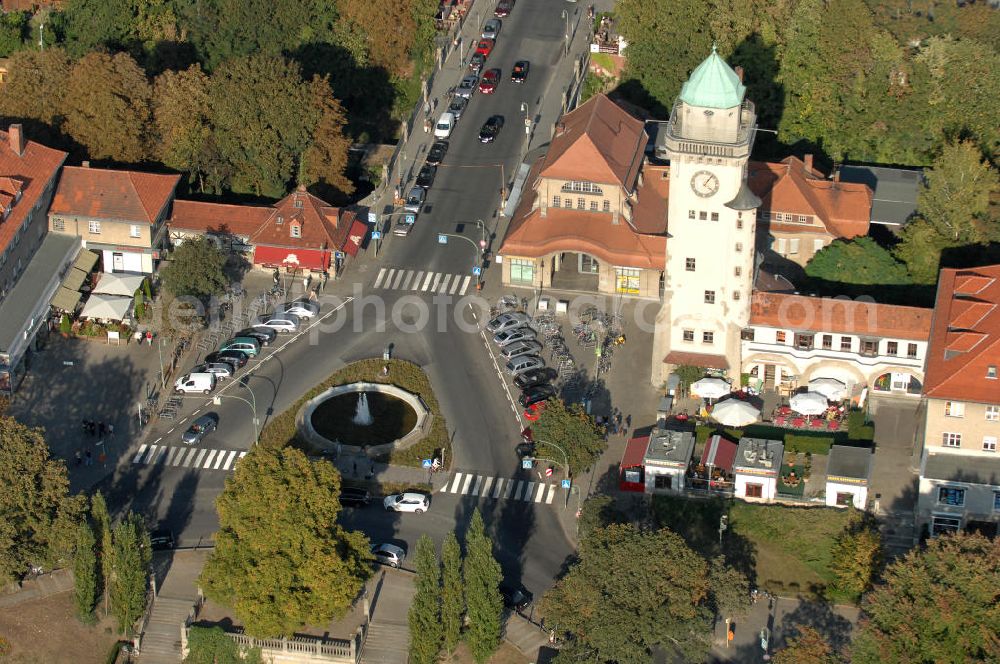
column 387, row 353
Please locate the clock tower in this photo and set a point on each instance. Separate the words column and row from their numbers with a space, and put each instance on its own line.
column 711, row 223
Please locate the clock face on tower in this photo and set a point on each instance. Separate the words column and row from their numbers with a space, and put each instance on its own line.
column 705, row 184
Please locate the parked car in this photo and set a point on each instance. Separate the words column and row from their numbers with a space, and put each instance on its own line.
column 406, row 502
column 490, row 81
column 476, row 62
column 519, row 72
column 491, row 28
column 507, row 321
column 388, row 554
column 236, row 358
column 515, row 597
column 437, row 152
column 402, row 229
column 262, row 334
column 524, row 450
column 444, row 125
column 248, row 345
column 415, row 199
column 281, row 323
column 467, row 86
column 503, row 8
column 425, row 178
column 535, row 394
column 491, row 129
column 524, row 363
column 161, row 540
column 220, row 369
column 511, row 351
column 200, row 428
column 514, row 334
column 300, row 308
column 354, row 497
column 485, row 46
column 532, row 378
column 458, row 106
column 195, row 382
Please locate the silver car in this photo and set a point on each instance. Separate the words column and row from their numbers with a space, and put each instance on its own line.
column 220, row 369
column 514, row 334
column 523, row 364
column 491, row 29
column 505, row 322
column 415, row 200
column 517, row 348
column 467, row 87
column 300, row 308
column 281, row 323
column 457, row 106
column 389, row 554
column 200, row 428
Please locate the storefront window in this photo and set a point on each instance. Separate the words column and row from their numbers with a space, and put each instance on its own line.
column 522, row 270
column 628, row 280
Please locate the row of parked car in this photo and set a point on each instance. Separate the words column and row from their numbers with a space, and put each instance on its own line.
column 244, row 346
column 517, row 344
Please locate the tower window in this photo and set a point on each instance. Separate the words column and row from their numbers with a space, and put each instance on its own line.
column 556, row 201
column 569, row 203
column 702, row 216
column 715, row 216
column 710, row 297
column 739, row 222
column 736, row 296
column 707, row 337
column 690, row 214
column 739, row 247
column 688, row 335
column 689, row 264
column 737, row 271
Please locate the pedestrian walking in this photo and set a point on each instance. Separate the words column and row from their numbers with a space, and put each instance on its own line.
column 149, row 337
column 79, row 458
column 427, row 108
column 355, row 467
column 111, row 429
column 628, row 424
column 102, row 429
column 90, row 458
column 371, row 470
column 618, row 420
column 434, row 105
column 326, row 278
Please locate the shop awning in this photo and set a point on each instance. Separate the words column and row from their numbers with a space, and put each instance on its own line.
column 719, row 452
column 66, row 299
column 705, row 360
column 355, row 237
column 74, row 279
column 635, row 452
column 303, row 259
column 108, row 307
column 85, row 260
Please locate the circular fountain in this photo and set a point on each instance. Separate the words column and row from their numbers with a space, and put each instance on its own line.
column 369, row 418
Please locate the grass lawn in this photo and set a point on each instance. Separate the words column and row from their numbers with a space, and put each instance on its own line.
column 281, row 431
column 47, row 630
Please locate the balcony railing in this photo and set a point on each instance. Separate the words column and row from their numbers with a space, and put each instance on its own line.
column 740, row 146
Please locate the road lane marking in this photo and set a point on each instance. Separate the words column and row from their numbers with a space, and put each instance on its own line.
column 454, row 485
column 189, row 459
column 465, row 487
column 197, row 462
column 173, row 454
column 437, row 280
column 427, row 281
column 540, row 493
column 486, row 487
column 378, row 280
column 138, row 455
column 496, row 491
column 219, row 459
column 416, row 282
column 399, row 278
column 527, row 492
column 465, row 284
column 444, row 284
column 552, row 494
column 208, row 461
column 161, row 454
column 479, row 484
column 229, row 460
column 409, row 278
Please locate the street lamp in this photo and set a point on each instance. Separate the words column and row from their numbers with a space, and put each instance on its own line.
column 244, row 381
column 565, row 16
column 565, row 463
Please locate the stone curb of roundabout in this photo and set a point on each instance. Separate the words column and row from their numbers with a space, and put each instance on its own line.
column 303, row 420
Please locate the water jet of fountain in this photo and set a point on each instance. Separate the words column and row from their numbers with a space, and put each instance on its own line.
column 362, row 415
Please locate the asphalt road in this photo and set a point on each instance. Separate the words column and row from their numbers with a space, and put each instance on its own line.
column 177, row 491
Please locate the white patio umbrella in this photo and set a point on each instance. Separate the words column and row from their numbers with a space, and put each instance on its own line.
column 735, row 413
column 710, row 388
column 831, row 388
column 808, row 403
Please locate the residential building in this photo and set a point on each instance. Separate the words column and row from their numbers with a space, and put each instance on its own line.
column 299, row 233
column 792, row 339
column 594, row 218
column 802, row 211
column 119, row 214
column 960, row 418
column 848, row 474
column 712, row 213
column 755, row 469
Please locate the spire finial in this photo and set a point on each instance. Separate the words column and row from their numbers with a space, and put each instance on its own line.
column 715, row 45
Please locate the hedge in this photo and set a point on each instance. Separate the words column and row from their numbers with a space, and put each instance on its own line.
column 808, row 444
column 794, row 442
column 858, row 427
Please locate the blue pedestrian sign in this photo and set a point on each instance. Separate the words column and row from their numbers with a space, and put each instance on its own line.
column 426, row 463
column 567, row 484
column 477, row 270
column 442, row 238
column 339, row 254
column 527, row 463
column 376, row 235
column 410, row 218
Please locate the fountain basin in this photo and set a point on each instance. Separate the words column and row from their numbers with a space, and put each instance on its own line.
column 399, row 419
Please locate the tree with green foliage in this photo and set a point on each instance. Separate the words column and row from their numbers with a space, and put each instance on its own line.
column 920, row 248
column 856, row 558
column 104, row 544
column 13, row 30
column 181, row 126
column 325, row 160
column 452, row 593
column 36, row 85
column 570, row 429
column 482, row 576
column 210, row 645
column 608, row 616
column 196, row 269
column 85, row 573
column 807, row 646
column 38, row 517
column 730, row 589
column 859, row 261
column 426, row 630
column 107, row 106
column 938, row 604
column 132, row 554
column 279, row 512
column 92, row 24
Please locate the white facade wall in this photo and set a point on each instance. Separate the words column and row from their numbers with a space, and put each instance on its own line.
column 860, row 494
column 676, row 479
column 769, row 491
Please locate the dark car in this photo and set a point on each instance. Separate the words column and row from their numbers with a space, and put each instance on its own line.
column 220, row 369
column 236, row 358
column 437, row 152
column 262, row 334
column 354, row 497
column 491, row 128
column 161, row 540
column 503, row 8
column 536, row 394
column 515, row 597
column 525, row 449
column 200, row 428
column 533, row 378
column 458, row 106
column 425, row 178
column 519, row 72
column 477, row 62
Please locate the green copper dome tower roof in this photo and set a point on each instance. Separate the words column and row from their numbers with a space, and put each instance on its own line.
column 713, row 84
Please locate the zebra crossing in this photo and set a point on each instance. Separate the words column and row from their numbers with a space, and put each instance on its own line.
column 187, row 457
column 421, row 281
column 501, row 488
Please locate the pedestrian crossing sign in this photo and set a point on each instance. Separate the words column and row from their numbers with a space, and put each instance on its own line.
column 426, row 463
column 410, row 218
column 477, row 270
column 567, row 484
column 527, row 463
column 376, row 235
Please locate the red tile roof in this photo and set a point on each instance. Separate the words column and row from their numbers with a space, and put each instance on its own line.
column 794, row 186
column 218, row 217
column 823, row 314
column 99, row 193
column 635, row 452
column 965, row 336
column 649, row 214
column 705, row 360
column 26, row 174
column 597, row 142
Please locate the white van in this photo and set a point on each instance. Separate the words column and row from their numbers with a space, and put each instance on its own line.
column 444, row 125
column 195, row 382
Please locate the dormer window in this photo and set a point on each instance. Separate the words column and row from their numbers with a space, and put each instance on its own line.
column 295, row 229
column 298, row 203
column 991, row 371
column 281, row 220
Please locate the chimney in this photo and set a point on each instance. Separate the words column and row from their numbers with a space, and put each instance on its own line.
column 739, row 72
column 808, row 159
column 836, row 175
column 560, row 128
column 17, row 140
column 85, row 164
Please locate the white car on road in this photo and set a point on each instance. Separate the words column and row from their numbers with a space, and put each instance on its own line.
column 406, row 502
column 299, row 308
